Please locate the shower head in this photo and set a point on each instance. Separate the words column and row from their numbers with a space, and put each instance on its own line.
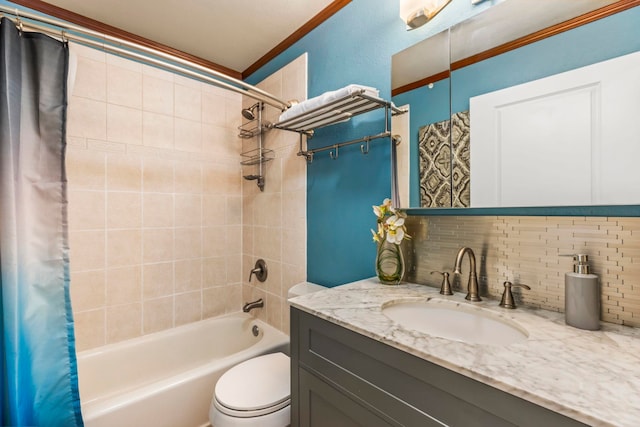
column 248, row 113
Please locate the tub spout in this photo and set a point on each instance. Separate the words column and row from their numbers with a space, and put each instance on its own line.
column 251, row 305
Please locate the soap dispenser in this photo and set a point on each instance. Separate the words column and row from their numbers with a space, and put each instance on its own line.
column 581, row 295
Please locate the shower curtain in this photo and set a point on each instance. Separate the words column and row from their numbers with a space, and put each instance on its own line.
column 39, row 377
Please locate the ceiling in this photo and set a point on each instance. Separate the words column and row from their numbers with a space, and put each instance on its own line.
column 232, row 33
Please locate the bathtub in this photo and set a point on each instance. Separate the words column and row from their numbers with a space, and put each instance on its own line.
column 166, row 379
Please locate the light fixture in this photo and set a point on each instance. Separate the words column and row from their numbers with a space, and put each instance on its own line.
column 416, row 13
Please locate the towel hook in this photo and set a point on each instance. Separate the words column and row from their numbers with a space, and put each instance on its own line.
column 364, row 150
column 334, row 154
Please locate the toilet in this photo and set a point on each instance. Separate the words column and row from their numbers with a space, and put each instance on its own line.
column 257, row 392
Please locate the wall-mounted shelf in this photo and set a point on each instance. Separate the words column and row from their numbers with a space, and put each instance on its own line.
column 257, row 156
column 338, row 111
column 250, row 129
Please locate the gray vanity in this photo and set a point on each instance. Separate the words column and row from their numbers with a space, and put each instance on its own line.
column 353, row 365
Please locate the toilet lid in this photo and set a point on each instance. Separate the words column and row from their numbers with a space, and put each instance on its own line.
column 255, row 384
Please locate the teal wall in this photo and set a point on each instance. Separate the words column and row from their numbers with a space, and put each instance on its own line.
column 354, row 46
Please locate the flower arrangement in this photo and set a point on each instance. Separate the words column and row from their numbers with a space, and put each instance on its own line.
column 390, row 224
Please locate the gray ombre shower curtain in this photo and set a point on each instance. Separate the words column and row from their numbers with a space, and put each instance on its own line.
column 39, row 376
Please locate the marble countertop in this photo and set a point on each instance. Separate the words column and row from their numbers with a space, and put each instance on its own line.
column 591, row 376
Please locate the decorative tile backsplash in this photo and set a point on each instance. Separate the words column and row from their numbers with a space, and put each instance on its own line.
column 527, row 250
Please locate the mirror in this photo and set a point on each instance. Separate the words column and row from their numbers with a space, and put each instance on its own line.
column 420, row 82
column 491, row 54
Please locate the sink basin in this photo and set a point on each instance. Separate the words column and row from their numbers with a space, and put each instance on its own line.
column 455, row 321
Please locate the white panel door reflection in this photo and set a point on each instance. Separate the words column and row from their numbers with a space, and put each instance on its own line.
column 566, row 140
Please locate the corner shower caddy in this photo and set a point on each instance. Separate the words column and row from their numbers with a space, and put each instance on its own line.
column 337, row 111
column 259, row 155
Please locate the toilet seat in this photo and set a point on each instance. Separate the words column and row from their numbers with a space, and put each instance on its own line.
column 255, row 387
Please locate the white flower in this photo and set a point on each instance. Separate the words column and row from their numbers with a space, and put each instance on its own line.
column 382, row 210
column 390, row 224
column 395, row 236
column 395, row 229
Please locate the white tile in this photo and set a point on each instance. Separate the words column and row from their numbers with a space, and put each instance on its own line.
column 272, row 84
column 88, row 52
column 87, row 118
column 91, row 79
column 157, row 130
column 233, row 113
column 188, row 103
column 75, row 142
column 214, row 109
column 108, row 147
column 188, row 210
column 124, row 87
column 86, row 210
column 124, row 124
column 294, row 79
column 151, row 71
column 86, row 169
column 220, row 141
column 122, row 62
column 188, row 135
column 268, row 243
column 188, row 82
column 157, row 95
column 158, row 210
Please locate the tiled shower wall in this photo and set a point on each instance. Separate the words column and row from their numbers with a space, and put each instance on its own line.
column 155, row 206
column 274, row 226
column 526, row 250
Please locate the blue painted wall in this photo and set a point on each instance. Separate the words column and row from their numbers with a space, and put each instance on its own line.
column 354, row 46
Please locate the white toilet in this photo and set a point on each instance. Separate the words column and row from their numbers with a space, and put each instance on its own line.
column 257, row 392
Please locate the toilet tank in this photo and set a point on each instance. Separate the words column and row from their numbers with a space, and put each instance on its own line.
column 304, row 288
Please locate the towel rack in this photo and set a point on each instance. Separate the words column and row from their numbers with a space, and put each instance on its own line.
column 338, row 111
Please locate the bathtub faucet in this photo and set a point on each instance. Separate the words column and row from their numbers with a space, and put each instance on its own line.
column 251, row 305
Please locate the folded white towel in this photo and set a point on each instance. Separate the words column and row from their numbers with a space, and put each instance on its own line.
column 326, row 98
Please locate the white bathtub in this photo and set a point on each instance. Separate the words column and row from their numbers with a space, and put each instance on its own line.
column 167, row 378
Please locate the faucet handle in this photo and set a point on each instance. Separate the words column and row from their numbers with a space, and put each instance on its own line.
column 445, row 288
column 260, row 270
column 507, row 300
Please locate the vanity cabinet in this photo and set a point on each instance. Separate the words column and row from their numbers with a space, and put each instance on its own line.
column 341, row 378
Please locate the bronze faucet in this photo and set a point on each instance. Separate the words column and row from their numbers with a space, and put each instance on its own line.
column 472, row 287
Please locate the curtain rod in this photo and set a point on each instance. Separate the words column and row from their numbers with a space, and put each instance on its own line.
column 168, row 62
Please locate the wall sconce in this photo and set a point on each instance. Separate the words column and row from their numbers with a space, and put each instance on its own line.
column 416, row 13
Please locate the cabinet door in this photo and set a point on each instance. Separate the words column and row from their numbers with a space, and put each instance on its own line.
column 322, row 406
